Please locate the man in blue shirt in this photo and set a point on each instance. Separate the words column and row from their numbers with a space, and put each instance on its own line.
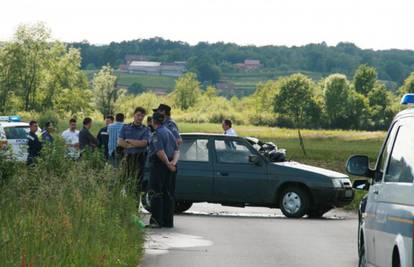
column 165, row 110
column 47, row 132
column 115, row 155
column 134, row 138
column 164, row 154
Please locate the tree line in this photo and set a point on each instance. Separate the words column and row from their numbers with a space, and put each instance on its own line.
column 209, row 60
column 39, row 74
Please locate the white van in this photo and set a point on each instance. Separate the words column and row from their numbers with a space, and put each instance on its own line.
column 386, row 224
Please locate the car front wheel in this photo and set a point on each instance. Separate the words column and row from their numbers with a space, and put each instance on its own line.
column 294, row 202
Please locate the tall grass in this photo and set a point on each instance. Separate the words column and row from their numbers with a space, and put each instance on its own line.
column 66, row 213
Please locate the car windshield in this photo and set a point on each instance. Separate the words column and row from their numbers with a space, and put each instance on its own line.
column 16, row 132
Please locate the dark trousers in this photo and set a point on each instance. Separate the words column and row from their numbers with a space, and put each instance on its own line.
column 132, row 174
column 162, row 190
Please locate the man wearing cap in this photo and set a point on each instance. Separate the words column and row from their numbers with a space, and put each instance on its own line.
column 165, row 110
column 164, row 154
column 134, row 138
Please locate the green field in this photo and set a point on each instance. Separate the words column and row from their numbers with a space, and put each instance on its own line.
column 245, row 82
column 148, row 81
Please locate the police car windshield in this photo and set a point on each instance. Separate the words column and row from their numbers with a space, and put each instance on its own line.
column 16, row 132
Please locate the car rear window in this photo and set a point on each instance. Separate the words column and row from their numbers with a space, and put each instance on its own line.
column 19, row 132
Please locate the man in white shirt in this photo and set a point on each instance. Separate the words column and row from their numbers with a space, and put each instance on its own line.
column 227, row 128
column 71, row 137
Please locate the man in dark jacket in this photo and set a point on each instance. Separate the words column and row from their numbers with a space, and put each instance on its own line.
column 34, row 145
column 86, row 139
column 103, row 136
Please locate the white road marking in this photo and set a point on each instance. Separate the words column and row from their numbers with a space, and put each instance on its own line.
column 162, row 242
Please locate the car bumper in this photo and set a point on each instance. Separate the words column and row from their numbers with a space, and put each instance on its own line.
column 333, row 197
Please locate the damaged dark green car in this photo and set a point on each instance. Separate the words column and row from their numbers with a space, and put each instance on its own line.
column 243, row 171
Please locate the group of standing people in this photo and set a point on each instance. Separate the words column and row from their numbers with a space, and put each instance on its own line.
column 128, row 146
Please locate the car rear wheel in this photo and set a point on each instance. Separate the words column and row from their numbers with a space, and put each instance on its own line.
column 182, row 206
column 294, row 202
column 317, row 212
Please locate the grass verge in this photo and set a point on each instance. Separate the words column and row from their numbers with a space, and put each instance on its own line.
column 66, row 213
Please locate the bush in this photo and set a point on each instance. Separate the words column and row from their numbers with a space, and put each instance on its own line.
column 67, row 213
column 46, row 116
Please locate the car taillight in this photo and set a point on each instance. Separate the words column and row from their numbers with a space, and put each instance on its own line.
column 3, row 144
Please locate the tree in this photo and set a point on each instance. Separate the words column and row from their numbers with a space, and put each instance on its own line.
column 187, row 90
column 295, row 99
column 211, row 91
column 336, row 95
column 105, row 91
column 205, row 69
column 408, row 85
column 380, row 107
column 34, row 69
column 136, row 88
column 73, row 101
column 364, row 79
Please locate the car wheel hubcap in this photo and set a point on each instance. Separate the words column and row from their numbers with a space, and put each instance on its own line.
column 291, row 202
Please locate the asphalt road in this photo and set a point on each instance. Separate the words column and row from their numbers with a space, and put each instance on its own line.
column 212, row 235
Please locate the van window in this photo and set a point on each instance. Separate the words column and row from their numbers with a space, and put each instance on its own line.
column 19, row 132
column 385, row 154
column 401, row 163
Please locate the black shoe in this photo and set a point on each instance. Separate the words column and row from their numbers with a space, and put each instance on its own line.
column 153, row 226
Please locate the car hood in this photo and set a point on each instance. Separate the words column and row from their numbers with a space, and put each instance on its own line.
column 310, row 169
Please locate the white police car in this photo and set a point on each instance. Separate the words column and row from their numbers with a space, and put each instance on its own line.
column 386, row 224
column 13, row 136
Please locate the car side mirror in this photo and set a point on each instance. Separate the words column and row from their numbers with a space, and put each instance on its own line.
column 361, row 185
column 254, row 159
column 358, row 165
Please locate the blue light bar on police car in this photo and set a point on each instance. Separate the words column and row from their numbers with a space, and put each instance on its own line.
column 14, row 118
column 407, row 99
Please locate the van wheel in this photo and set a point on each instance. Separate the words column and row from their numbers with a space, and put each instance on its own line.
column 294, row 202
column 182, row 206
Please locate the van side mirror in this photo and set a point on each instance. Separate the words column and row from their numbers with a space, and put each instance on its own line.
column 361, row 185
column 358, row 165
column 254, row 159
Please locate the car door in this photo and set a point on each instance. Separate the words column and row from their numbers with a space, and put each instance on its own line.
column 395, row 199
column 236, row 179
column 17, row 138
column 195, row 170
column 371, row 217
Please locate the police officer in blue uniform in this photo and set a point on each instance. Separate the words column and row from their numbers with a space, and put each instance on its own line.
column 134, row 139
column 34, row 145
column 168, row 122
column 164, row 154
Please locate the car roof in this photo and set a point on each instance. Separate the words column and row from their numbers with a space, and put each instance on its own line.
column 207, row 135
column 13, row 124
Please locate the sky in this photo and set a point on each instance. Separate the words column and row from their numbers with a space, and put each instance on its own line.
column 375, row 24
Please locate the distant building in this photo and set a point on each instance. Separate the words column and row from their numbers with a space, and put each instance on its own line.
column 249, row 64
column 130, row 58
column 174, row 69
